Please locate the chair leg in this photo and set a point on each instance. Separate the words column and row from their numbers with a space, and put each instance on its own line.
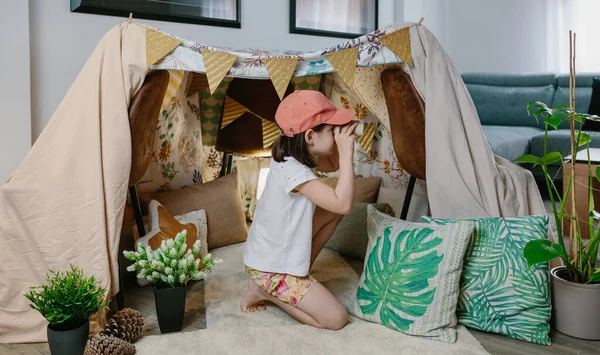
column 137, row 211
column 226, row 164
column 229, row 163
column 121, row 294
column 408, row 197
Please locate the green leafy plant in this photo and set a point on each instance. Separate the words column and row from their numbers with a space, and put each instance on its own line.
column 68, row 298
column 580, row 260
column 172, row 264
column 401, row 286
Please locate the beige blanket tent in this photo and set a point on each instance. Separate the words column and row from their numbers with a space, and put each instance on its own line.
column 65, row 202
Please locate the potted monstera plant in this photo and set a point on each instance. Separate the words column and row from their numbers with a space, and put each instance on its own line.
column 67, row 301
column 170, row 267
column 576, row 284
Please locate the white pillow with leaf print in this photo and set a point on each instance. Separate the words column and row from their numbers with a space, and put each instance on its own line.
column 411, row 275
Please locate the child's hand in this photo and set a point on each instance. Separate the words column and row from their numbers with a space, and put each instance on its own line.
column 344, row 139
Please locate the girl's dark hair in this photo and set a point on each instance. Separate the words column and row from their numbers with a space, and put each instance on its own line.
column 294, row 147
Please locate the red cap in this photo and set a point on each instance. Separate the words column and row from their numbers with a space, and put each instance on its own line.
column 305, row 109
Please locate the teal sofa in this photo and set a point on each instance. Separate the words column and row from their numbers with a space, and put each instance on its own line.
column 501, row 102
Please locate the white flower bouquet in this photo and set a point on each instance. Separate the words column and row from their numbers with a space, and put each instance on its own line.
column 172, row 264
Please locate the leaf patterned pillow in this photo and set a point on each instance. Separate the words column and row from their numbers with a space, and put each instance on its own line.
column 411, row 276
column 498, row 293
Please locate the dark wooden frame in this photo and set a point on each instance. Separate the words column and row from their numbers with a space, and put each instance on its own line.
column 307, row 31
column 80, row 6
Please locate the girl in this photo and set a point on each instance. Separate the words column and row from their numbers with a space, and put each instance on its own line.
column 297, row 213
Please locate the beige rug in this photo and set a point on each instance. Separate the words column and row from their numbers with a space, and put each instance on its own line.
column 229, row 331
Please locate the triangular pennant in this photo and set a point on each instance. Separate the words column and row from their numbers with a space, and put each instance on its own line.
column 281, row 71
column 366, row 140
column 175, row 79
column 158, row 45
column 198, row 82
column 399, row 43
column 217, row 65
column 232, row 110
column 270, row 131
column 344, row 62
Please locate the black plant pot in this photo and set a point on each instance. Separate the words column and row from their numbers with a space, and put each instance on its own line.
column 170, row 308
column 68, row 342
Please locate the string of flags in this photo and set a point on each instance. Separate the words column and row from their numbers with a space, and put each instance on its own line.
column 217, row 63
column 281, row 69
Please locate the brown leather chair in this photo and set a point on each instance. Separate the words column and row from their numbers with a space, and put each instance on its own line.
column 406, row 110
column 144, row 111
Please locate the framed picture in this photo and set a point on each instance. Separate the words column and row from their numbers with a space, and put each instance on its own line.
column 224, row 13
column 333, row 18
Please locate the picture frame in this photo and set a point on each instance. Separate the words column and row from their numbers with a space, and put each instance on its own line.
column 224, row 13
column 325, row 18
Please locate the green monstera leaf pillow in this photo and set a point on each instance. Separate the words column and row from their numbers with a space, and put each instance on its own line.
column 411, row 275
column 498, row 292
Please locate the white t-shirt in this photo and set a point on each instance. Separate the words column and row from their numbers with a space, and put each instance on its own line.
column 280, row 237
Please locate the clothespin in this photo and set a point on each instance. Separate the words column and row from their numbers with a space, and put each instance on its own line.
column 130, row 17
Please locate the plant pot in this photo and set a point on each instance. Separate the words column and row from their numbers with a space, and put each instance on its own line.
column 170, row 308
column 68, row 342
column 573, row 306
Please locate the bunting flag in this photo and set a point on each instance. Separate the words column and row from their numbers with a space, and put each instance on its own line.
column 158, row 45
column 399, row 43
column 217, row 65
column 344, row 62
column 270, row 132
column 366, row 140
column 281, row 71
column 175, row 79
column 232, row 110
column 198, row 82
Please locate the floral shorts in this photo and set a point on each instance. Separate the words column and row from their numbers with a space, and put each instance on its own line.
column 288, row 288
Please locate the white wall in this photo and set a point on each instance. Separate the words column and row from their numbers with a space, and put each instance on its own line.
column 507, row 36
column 61, row 42
column 15, row 120
column 510, row 36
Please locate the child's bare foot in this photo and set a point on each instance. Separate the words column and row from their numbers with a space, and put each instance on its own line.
column 254, row 299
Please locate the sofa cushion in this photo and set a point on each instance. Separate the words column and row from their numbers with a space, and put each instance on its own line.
column 583, row 92
column 558, row 141
column 497, row 79
column 594, row 108
column 507, row 105
column 510, row 142
column 501, row 99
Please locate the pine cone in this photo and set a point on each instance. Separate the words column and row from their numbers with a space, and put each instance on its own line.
column 127, row 324
column 108, row 345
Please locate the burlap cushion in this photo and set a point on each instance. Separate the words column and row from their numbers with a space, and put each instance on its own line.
column 222, row 202
column 350, row 237
column 365, row 189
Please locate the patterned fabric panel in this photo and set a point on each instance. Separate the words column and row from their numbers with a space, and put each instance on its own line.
column 177, row 157
column 311, row 82
column 211, row 107
column 248, row 173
